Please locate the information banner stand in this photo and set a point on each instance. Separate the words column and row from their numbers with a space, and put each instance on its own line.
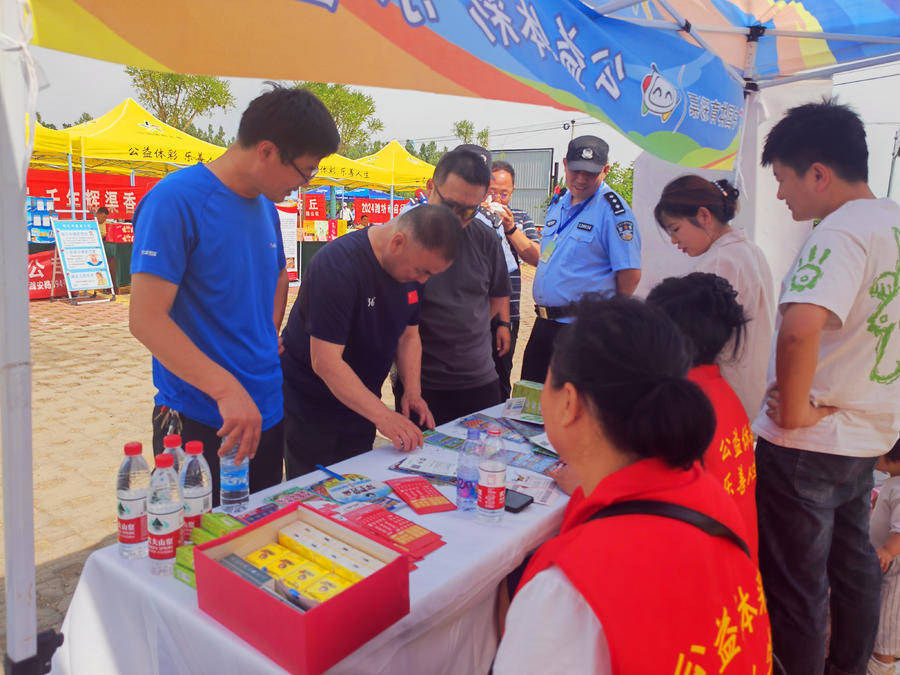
column 84, row 264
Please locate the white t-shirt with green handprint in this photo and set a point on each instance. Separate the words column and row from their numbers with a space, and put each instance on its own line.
column 850, row 265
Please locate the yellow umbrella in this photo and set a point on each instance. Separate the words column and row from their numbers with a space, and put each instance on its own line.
column 405, row 170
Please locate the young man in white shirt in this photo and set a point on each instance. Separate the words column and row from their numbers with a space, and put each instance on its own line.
column 833, row 397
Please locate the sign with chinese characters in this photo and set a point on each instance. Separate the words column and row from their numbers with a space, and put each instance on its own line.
column 114, row 192
column 378, row 210
column 288, row 217
column 42, row 281
column 83, row 257
column 315, row 207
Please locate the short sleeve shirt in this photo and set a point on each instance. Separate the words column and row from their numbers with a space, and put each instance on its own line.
column 582, row 248
column 849, row 265
column 885, row 519
column 224, row 252
column 346, row 298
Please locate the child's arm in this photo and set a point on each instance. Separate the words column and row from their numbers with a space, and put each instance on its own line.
column 889, row 551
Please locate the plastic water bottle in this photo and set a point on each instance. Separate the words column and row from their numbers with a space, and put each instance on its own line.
column 131, row 491
column 165, row 509
column 234, row 481
column 467, row 472
column 195, row 480
column 492, row 477
column 172, row 445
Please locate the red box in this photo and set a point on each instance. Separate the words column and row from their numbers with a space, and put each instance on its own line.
column 313, row 641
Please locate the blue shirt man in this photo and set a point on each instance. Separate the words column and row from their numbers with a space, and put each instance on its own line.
column 590, row 244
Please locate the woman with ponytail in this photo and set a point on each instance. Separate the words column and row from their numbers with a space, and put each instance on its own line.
column 705, row 308
column 696, row 214
column 649, row 572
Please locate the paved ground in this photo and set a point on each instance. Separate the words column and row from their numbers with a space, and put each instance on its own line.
column 91, row 393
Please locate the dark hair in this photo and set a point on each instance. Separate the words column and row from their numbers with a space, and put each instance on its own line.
column 629, row 361
column 468, row 165
column 705, row 307
column 103, row 210
column 295, row 120
column 435, row 228
column 893, row 455
column 826, row 132
column 683, row 197
column 500, row 165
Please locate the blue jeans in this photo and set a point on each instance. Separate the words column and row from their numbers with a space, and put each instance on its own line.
column 814, row 536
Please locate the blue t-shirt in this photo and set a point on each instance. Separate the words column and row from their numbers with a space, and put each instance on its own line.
column 346, row 298
column 593, row 245
column 225, row 253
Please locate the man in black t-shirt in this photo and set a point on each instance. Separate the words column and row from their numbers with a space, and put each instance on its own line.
column 358, row 310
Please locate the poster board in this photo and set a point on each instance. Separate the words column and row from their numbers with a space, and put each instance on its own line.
column 287, row 216
column 83, row 257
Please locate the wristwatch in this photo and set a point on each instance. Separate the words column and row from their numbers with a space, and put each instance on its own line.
column 504, row 323
column 509, row 231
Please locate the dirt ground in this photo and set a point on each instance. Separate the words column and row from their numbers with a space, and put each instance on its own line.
column 91, row 393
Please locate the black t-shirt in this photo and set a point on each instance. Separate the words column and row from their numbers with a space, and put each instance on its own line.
column 345, row 298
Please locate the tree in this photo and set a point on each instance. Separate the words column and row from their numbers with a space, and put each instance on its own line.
column 481, row 138
column 177, row 99
column 429, row 152
column 352, row 110
column 464, row 130
column 621, row 179
column 40, row 120
column 210, row 136
column 363, row 149
column 85, row 117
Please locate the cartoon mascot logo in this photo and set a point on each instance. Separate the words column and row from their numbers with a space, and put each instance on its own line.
column 660, row 97
column 152, row 128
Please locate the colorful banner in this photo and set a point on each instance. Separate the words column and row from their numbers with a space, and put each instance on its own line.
column 115, row 192
column 378, row 210
column 315, row 207
column 83, row 256
column 288, row 217
column 41, row 281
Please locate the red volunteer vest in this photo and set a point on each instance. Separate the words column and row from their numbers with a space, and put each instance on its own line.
column 670, row 597
column 730, row 458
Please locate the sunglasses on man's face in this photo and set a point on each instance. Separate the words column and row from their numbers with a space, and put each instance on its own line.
column 464, row 212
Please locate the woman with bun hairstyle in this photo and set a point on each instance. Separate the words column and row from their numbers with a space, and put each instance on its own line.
column 642, row 591
column 705, row 308
column 696, row 214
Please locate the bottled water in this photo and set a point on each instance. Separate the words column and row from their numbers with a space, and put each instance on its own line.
column 234, row 481
column 172, row 445
column 195, row 480
column 467, row 472
column 492, row 477
column 165, row 509
column 131, row 491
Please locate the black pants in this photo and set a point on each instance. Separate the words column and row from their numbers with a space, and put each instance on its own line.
column 539, row 349
column 265, row 468
column 447, row 405
column 503, row 364
column 313, row 438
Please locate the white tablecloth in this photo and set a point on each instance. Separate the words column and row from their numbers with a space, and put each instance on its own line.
column 124, row 620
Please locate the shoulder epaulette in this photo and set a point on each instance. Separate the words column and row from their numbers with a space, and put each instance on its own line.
column 618, row 208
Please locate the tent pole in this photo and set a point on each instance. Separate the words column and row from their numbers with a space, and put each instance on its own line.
column 828, row 72
column 894, row 154
column 71, row 189
column 83, row 191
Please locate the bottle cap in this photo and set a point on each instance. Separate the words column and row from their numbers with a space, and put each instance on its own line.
column 172, row 441
column 164, row 461
column 494, row 430
column 194, row 448
column 133, row 448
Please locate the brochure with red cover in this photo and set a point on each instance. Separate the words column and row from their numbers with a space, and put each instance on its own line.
column 421, row 495
column 410, row 537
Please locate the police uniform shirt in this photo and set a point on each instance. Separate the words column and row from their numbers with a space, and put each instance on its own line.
column 585, row 256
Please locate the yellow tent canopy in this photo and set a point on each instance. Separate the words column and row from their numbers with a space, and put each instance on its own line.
column 129, row 138
column 350, row 173
column 405, row 170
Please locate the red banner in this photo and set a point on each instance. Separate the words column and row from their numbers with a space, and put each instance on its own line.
column 112, row 191
column 315, row 207
column 377, row 209
column 40, row 276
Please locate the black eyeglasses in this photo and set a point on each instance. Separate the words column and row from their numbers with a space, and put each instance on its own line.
column 464, row 212
column 306, row 179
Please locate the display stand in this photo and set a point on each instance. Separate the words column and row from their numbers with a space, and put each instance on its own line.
column 83, row 258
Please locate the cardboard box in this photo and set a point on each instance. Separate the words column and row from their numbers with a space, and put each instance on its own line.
column 301, row 642
column 532, row 393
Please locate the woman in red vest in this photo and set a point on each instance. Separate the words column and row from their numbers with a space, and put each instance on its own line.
column 705, row 307
column 628, row 586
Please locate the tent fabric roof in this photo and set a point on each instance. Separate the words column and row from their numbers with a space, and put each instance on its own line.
column 406, row 170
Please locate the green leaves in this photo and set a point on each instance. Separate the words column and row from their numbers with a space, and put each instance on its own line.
column 177, row 99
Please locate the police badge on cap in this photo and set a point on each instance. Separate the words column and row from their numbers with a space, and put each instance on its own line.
column 587, row 153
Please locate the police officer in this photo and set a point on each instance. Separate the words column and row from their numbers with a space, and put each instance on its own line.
column 590, row 244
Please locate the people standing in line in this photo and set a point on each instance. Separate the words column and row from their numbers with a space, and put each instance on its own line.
column 706, row 310
column 635, row 593
column 695, row 213
column 518, row 230
column 458, row 375
column 357, row 311
column 884, row 533
column 590, row 243
column 209, row 285
column 833, row 400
